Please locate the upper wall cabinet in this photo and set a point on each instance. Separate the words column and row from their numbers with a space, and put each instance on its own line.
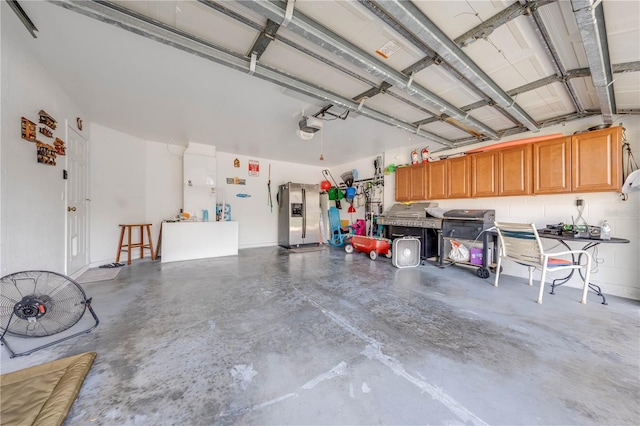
column 484, row 174
column 596, row 160
column 437, row 180
column 514, row 167
column 418, row 182
column 403, row 184
column 552, row 166
column 411, row 183
column 586, row 162
column 459, row 177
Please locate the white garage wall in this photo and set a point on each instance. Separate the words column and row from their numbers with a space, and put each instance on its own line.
column 258, row 225
column 32, row 221
column 138, row 181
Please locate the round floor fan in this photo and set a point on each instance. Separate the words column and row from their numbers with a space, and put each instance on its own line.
column 39, row 304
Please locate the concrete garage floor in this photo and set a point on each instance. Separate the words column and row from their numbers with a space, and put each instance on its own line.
column 272, row 337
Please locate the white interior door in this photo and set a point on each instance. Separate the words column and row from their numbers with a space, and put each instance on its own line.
column 77, row 202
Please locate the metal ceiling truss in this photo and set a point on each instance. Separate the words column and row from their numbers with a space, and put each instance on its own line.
column 326, row 39
column 266, row 36
column 590, row 18
column 543, row 35
column 147, row 27
column 134, row 22
column 504, row 16
column 407, row 15
column 22, row 15
column 432, row 58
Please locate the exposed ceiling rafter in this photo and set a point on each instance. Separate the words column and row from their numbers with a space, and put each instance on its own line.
column 561, row 71
column 323, row 37
column 126, row 19
column 590, row 18
column 24, row 18
column 410, row 17
column 266, row 36
column 506, row 15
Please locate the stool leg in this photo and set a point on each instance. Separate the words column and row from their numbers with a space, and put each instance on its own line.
column 141, row 241
column 129, row 251
column 120, row 244
column 153, row 255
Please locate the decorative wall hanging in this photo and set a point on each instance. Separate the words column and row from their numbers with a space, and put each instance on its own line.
column 46, row 154
column 59, row 146
column 45, row 131
column 28, row 129
column 236, row 163
column 79, row 123
column 47, row 120
column 254, row 168
column 236, row 181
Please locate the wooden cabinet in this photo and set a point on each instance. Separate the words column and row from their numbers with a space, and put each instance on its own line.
column 484, row 174
column 437, row 180
column 411, row 183
column 596, row 160
column 403, row 184
column 514, row 166
column 552, row 166
column 459, row 177
column 418, row 182
column 587, row 162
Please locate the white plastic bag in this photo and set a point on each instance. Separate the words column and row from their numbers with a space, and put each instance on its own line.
column 458, row 253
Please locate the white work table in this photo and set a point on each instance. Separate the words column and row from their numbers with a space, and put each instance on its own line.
column 198, row 240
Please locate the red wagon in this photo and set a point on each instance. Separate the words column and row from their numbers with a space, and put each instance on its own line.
column 373, row 245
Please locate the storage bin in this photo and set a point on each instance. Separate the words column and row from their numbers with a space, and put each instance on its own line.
column 475, row 256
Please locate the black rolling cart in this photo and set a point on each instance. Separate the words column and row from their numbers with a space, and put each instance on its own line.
column 470, row 227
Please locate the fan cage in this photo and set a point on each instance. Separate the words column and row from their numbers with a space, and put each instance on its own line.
column 39, row 304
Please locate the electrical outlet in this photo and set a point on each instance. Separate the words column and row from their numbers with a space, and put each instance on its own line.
column 579, row 202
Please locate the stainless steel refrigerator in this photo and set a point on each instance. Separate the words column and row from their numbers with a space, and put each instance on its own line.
column 298, row 214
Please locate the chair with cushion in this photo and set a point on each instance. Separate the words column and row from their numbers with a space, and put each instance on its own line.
column 521, row 243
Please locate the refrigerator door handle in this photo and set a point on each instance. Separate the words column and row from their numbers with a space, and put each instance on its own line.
column 304, row 213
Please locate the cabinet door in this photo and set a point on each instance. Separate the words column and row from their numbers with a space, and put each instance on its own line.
column 403, row 184
column 437, row 180
column 552, row 166
column 515, row 170
column 418, row 186
column 459, row 177
column 596, row 161
column 484, row 174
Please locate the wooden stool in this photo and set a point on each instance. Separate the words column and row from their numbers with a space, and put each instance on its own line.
column 129, row 245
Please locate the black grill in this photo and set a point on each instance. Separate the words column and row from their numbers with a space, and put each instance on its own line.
column 466, row 224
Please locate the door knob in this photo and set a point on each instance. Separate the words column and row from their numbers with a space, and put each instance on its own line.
column 71, row 209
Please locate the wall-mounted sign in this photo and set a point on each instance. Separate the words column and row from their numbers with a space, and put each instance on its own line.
column 47, row 120
column 58, row 144
column 254, row 168
column 28, row 129
column 46, row 154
